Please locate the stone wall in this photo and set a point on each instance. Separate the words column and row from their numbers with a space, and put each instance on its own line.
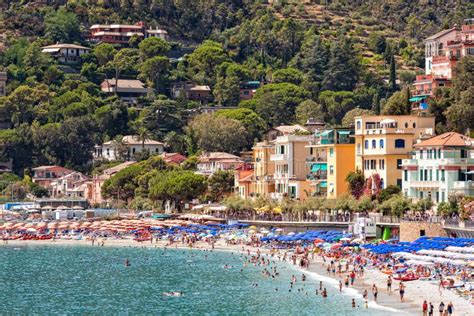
column 410, row 231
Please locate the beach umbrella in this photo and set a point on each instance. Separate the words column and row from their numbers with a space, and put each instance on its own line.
column 336, row 246
column 252, row 227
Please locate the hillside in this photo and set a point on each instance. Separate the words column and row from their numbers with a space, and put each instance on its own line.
column 324, row 59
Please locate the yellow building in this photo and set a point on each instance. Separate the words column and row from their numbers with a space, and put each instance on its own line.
column 291, row 168
column 382, row 142
column 263, row 169
column 332, row 157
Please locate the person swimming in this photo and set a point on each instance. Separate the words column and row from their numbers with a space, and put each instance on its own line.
column 127, row 262
column 175, row 293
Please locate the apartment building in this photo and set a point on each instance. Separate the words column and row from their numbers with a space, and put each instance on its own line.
column 382, row 142
column 264, row 168
column 291, row 167
column 331, row 158
column 440, row 166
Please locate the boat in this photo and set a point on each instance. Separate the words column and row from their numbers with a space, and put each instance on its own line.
column 406, row 278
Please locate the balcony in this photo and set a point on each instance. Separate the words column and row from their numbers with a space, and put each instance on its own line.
column 278, row 157
column 455, row 161
column 425, row 184
column 317, row 176
column 463, row 185
column 409, row 162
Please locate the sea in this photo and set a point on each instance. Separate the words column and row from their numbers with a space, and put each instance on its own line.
column 81, row 280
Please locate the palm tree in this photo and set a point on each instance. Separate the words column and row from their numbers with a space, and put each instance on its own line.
column 143, row 136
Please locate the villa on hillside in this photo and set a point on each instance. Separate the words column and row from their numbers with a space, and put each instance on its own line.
column 129, row 146
column 66, row 53
column 122, row 33
column 440, row 166
column 128, row 90
column 71, row 185
column 191, row 91
column 45, row 175
column 210, row 162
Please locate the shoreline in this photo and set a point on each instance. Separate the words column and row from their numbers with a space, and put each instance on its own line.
column 389, row 303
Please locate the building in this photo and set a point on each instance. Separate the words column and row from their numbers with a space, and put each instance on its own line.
column 3, row 83
column 95, row 197
column 44, row 176
column 128, row 90
column 331, row 158
column 248, row 89
column 71, row 185
column 291, row 168
column 264, row 168
column 440, row 166
column 244, row 181
column 127, row 148
column 122, row 33
column 442, row 52
column 191, row 91
column 66, row 53
column 210, row 162
column 173, row 158
column 382, row 142
column 275, row 132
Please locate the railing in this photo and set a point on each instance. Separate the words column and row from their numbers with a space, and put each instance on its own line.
column 278, row 157
column 456, row 223
column 463, row 185
column 425, row 184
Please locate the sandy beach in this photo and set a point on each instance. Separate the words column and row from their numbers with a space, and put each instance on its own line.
column 416, row 291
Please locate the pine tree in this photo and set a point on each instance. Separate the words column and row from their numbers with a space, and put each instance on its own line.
column 375, row 104
column 393, row 73
column 343, row 68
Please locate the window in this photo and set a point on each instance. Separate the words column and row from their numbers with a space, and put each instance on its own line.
column 439, row 153
column 434, row 153
column 421, row 175
column 381, row 143
column 358, row 124
column 358, row 149
column 431, row 175
column 366, row 144
column 405, row 175
column 331, row 152
column 382, row 164
column 399, row 143
column 437, row 175
column 421, row 154
column 421, row 194
column 425, row 175
column 414, row 125
column 399, row 183
column 442, row 196
column 406, row 125
column 437, row 197
column 399, row 164
column 374, row 144
column 282, row 150
column 422, row 232
column 373, row 164
column 442, row 175
column 331, row 169
column 381, row 183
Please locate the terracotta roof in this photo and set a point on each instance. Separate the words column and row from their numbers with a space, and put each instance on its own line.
column 290, row 129
column 450, row 139
column 439, row 34
column 173, row 158
column 54, row 167
column 245, row 175
column 220, row 156
column 117, row 168
column 125, row 83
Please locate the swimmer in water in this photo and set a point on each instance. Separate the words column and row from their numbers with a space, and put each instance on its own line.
column 127, row 262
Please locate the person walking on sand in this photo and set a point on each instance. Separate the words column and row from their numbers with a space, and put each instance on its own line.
column 450, row 308
column 401, row 290
column 389, row 283
column 441, row 309
column 353, row 303
column 431, row 310
column 340, row 286
column 365, row 295
column 425, row 308
column 375, row 292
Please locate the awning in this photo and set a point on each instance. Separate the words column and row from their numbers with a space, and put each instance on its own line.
column 323, row 184
column 319, row 166
column 343, row 132
column 416, row 99
column 327, row 132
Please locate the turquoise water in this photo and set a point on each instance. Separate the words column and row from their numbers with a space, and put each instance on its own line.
column 51, row 280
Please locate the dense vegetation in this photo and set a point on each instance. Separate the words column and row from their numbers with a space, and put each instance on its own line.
column 329, row 60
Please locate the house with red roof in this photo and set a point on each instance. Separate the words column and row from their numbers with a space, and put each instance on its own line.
column 440, row 166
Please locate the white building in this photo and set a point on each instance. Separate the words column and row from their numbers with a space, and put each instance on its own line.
column 66, row 53
column 130, row 145
column 73, row 185
column 441, row 166
column 159, row 33
column 211, row 162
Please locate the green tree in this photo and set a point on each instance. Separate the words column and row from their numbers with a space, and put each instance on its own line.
column 342, row 72
column 336, row 104
column 251, row 121
column 460, row 116
column 213, row 133
column 152, row 47
column 229, row 78
column 276, row 103
column 308, row 109
column 205, row 59
column 356, row 183
column 393, row 73
column 349, row 117
column 104, row 53
column 176, row 186
column 377, row 42
column 112, row 119
column 62, row 26
column 220, row 184
column 122, row 185
column 153, row 69
column 398, row 103
column 290, row 75
column 125, row 60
